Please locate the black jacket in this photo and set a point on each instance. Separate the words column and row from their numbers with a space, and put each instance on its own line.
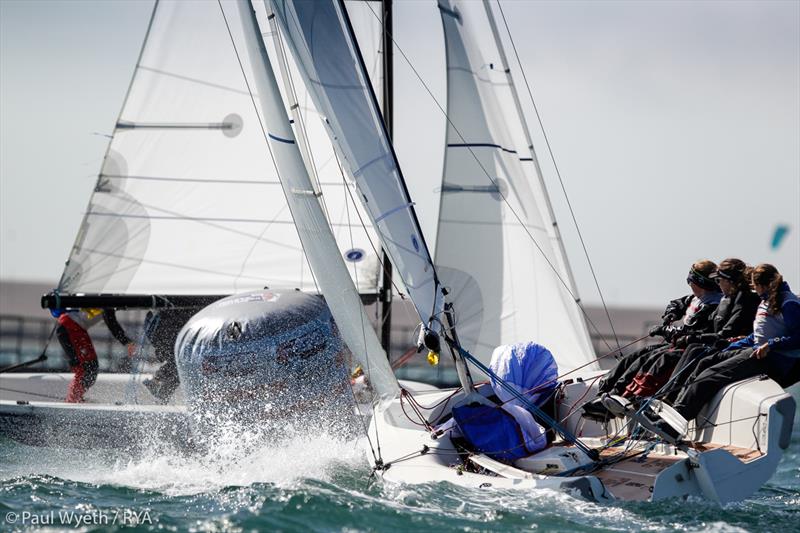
column 732, row 318
column 701, row 322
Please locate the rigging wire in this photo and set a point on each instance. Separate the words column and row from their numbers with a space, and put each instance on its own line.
column 300, row 126
column 494, row 182
column 558, row 173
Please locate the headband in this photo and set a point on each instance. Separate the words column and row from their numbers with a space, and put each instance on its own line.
column 701, row 281
column 730, row 275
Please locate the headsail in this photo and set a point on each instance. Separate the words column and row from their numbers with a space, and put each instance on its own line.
column 495, row 249
column 312, row 226
column 186, row 201
column 323, row 45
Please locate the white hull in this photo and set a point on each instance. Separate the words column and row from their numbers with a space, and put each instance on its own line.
column 119, row 412
column 728, row 462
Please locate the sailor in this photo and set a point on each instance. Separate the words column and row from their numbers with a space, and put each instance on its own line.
column 694, row 311
column 162, row 331
column 74, row 338
column 732, row 319
column 772, row 349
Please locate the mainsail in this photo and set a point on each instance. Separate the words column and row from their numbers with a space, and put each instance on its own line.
column 496, row 250
column 323, row 45
column 187, row 200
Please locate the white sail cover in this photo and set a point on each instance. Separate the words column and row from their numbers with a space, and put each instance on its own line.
column 321, row 41
column 188, row 200
column 312, row 225
column 495, row 248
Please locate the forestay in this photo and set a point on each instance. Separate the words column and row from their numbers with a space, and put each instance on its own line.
column 323, row 44
column 188, row 200
column 496, row 250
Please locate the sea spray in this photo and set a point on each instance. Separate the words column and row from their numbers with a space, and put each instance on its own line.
column 320, row 482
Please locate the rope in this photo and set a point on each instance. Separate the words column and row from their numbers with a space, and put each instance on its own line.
column 573, row 408
column 423, row 421
column 405, row 358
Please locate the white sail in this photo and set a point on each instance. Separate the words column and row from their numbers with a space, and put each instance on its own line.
column 187, row 201
column 322, row 43
column 322, row 251
column 496, row 251
column 368, row 31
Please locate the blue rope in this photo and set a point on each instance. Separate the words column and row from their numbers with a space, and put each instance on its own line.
column 532, row 407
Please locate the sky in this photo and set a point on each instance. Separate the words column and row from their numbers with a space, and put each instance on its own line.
column 675, row 127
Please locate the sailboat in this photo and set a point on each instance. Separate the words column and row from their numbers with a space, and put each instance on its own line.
column 187, row 209
column 510, row 284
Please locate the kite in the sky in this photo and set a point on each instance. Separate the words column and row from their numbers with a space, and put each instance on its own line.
column 781, row 230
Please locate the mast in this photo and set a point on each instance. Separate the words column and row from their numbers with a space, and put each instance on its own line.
column 388, row 108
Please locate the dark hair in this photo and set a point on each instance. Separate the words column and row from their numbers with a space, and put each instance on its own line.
column 705, row 267
column 737, row 271
column 769, row 277
column 700, row 275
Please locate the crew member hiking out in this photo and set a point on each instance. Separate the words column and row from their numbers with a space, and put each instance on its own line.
column 694, row 312
column 74, row 339
column 162, row 330
column 732, row 319
column 772, row 349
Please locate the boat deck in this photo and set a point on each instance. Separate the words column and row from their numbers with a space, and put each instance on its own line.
column 634, row 477
column 745, row 455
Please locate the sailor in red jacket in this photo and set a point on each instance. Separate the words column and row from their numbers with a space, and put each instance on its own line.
column 74, row 338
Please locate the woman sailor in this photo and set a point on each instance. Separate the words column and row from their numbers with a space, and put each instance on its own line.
column 772, row 349
column 732, row 320
column 694, row 311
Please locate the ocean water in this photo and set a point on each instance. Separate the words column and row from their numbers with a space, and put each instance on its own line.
column 321, row 483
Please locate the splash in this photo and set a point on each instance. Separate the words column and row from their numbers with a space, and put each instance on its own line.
column 236, row 460
column 234, row 457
